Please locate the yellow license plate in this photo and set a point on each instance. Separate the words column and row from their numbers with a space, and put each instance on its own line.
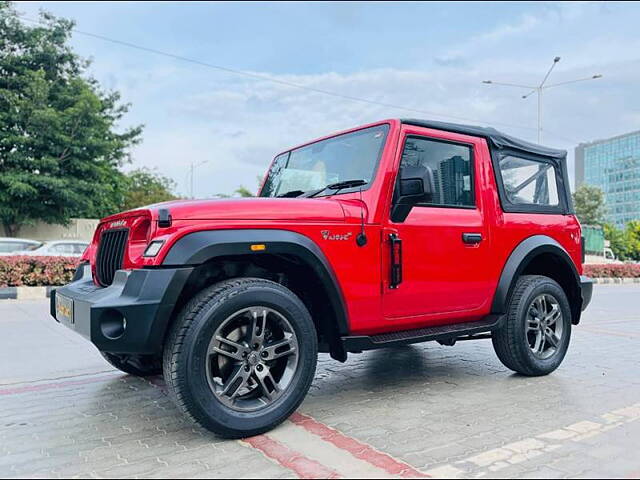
column 64, row 309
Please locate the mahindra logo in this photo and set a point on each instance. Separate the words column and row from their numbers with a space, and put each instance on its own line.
column 327, row 235
column 117, row 223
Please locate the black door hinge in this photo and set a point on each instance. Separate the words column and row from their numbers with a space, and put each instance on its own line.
column 396, row 260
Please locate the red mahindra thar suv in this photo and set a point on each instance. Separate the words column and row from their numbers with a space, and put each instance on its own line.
column 397, row 232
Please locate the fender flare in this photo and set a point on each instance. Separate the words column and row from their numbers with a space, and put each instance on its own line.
column 199, row 247
column 518, row 260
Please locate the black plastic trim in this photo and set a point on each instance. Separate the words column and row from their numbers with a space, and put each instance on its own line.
column 145, row 298
column 471, row 238
column 586, row 289
column 496, row 138
column 518, row 261
column 199, row 247
column 395, row 270
column 358, row 343
column 164, row 218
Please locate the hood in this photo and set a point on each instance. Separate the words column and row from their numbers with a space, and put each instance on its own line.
column 285, row 209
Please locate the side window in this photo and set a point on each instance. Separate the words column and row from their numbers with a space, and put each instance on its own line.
column 446, row 165
column 529, row 182
column 8, row 247
column 63, row 248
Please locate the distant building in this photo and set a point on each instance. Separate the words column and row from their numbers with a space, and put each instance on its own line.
column 613, row 165
column 455, row 186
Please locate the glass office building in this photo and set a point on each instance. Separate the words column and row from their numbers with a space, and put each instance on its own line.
column 613, row 165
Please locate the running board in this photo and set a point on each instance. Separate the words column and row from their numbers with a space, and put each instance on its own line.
column 445, row 333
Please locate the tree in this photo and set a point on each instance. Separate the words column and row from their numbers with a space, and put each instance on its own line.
column 632, row 236
column 145, row 187
column 589, row 204
column 59, row 146
column 618, row 240
column 243, row 191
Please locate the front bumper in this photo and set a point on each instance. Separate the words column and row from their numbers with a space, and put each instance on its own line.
column 586, row 287
column 145, row 299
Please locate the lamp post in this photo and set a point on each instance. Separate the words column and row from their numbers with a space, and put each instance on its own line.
column 192, row 167
column 539, row 89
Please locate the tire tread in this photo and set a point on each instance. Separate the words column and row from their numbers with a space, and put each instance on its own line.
column 175, row 343
column 510, row 349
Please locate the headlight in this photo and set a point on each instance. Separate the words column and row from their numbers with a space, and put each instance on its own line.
column 153, row 248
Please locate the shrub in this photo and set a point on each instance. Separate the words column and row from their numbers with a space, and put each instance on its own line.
column 613, row 270
column 18, row 271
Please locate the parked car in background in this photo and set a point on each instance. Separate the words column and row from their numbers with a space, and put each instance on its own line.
column 60, row 248
column 8, row 246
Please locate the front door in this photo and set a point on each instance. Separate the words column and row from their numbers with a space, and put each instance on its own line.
column 444, row 242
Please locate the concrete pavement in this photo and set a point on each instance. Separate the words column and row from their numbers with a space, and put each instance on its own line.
column 423, row 410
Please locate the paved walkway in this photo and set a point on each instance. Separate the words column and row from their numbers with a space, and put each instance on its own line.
column 409, row 412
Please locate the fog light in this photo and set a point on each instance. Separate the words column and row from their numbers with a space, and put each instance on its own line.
column 153, row 248
column 113, row 324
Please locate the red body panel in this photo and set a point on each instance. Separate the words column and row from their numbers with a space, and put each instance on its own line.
column 445, row 280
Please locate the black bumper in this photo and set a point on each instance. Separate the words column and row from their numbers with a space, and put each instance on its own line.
column 145, row 299
column 586, row 286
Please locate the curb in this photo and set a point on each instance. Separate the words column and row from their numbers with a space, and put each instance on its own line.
column 616, row 281
column 25, row 293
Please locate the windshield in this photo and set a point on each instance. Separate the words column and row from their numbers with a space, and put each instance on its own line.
column 352, row 156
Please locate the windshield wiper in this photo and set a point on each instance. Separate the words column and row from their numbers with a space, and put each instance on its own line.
column 290, row 194
column 339, row 186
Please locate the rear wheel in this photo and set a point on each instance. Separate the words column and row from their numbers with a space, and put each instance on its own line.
column 241, row 356
column 535, row 336
column 138, row 365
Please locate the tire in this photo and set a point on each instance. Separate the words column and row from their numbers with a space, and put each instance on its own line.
column 520, row 341
column 137, row 365
column 190, row 362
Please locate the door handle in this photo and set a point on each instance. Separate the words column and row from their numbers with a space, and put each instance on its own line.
column 472, row 238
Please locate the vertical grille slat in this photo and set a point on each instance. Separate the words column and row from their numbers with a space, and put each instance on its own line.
column 110, row 255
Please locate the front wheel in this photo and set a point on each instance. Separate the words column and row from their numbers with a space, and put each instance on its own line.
column 241, row 356
column 535, row 337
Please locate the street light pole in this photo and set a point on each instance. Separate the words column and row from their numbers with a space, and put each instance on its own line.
column 539, row 89
column 539, row 115
column 192, row 167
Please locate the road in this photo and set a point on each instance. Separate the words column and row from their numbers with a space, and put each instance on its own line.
column 417, row 411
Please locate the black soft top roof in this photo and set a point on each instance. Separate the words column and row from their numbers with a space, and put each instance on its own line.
column 499, row 140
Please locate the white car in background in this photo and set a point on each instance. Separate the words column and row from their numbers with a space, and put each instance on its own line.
column 9, row 246
column 59, row 248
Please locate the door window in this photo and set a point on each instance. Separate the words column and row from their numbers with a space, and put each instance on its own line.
column 446, row 165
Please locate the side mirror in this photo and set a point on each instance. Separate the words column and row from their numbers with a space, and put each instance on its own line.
column 416, row 185
column 411, row 187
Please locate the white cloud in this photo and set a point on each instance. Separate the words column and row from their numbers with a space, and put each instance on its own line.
column 193, row 113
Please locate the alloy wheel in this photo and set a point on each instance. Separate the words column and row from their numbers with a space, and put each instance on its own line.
column 544, row 326
column 252, row 358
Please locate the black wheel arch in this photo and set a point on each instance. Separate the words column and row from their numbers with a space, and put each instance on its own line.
column 539, row 255
column 202, row 248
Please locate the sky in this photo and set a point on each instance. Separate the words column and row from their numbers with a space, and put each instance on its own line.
column 430, row 57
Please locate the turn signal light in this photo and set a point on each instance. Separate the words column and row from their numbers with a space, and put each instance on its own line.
column 153, row 248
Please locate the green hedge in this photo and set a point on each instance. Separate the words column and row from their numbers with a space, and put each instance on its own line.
column 18, row 271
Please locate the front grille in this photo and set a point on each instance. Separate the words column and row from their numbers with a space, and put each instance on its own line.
column 110, row 255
